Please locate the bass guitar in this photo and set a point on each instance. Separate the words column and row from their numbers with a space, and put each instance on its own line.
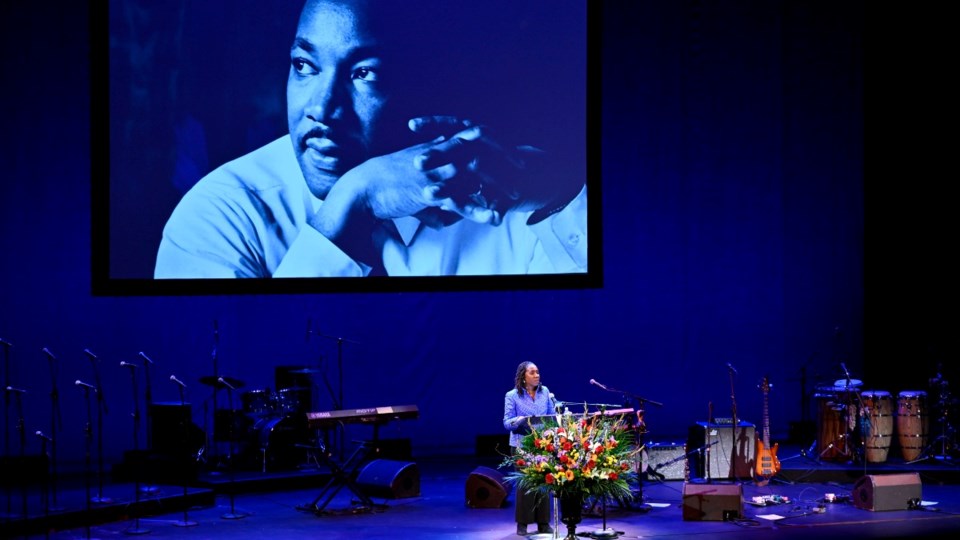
column 767, row 463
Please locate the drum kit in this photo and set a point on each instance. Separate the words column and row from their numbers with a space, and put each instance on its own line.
column 857, row 424
column 269, row 428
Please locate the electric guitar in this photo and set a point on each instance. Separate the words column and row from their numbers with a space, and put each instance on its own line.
column 767, row 463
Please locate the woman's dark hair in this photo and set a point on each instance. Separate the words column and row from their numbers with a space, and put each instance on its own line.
column 521, row 371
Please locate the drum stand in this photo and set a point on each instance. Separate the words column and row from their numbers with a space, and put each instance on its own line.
column 944, row 440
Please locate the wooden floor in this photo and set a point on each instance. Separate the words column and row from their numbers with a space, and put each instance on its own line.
column 809, row 498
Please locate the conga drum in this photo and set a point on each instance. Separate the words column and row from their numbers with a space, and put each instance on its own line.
column 831, row 426
column 878, row 409
column 913, row 423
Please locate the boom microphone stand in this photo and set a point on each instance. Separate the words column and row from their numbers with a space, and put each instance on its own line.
column 136, row 447
column 56, row 424
column 185, row 522
column 101, row 410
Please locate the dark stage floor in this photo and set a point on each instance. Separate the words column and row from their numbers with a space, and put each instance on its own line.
column 270, row 505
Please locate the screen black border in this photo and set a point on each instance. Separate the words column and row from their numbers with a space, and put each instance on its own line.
column 102, row 284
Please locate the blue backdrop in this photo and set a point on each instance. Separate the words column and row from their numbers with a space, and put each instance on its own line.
column 733, row 232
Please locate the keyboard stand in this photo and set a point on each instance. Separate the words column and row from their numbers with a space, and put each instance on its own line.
column 340, row 478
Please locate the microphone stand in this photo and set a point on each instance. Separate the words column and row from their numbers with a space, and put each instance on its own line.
column 101, row 410
column 23, row 450
column 216, row 389
column 6, row 413
column 45, row 490
column 232, row 514
column 56, row 424
column 148, row 401
column 339, row 402
column 185, row 522
column 736, row 424
column 88, row 434
column 136, row 530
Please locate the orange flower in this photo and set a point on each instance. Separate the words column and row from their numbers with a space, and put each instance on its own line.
column 569, row 475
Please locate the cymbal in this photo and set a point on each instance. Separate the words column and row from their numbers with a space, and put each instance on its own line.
column 305, row 371
column 842, row 384
column 210, row 380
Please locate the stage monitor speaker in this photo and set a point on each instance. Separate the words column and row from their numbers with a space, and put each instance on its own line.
column 486, row 488
column 716, row 456
column 887, row 492
column 390, row 479
column 712, row 502
column 172, row 430
column 663, row 461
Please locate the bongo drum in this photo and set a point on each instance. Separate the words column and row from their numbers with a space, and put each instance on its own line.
column 878, row 408
column 913, row 423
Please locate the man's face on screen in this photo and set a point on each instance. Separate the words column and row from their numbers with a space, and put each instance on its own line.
column 338, row 97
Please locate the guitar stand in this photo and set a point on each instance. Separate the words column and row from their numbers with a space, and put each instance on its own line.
column 342, row 476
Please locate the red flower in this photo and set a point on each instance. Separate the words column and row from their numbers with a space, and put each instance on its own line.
column 521, row 463
column 613, row 476
column 550, row 479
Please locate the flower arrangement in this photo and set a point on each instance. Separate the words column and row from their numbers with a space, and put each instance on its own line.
column 585, row 454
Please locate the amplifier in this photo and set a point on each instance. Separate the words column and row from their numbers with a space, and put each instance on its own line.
column 717, row 451
column 663, row 461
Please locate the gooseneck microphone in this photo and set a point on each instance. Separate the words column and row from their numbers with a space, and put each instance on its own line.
column 49, row 354
column 85, row 385
column 127, row 364
column 145, row 357
column 174, row 378
column 42, row 436
column 731, row 368
column 11, row 389
column 225, row 383
column 595, row 383
column 90, row 354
